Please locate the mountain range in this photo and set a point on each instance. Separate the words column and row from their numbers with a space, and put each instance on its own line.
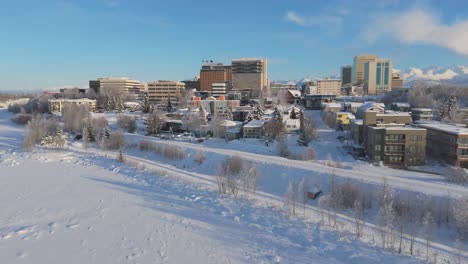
column 457, row 75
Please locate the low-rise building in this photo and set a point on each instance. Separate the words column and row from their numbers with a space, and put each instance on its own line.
column 447, row 142
column 57, row 105
column 421, row 114
column 292, row 96
column 280, row 88
column 254, row 129
column 214, row 106
column 399, row 107
column 315, row 102
column 396, row 146
column 218, row 89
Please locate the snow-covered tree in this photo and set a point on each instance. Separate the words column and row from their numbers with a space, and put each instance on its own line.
column 56, row 140
column 257, row 113
column 154, row 122
column 147, row 107
column 169, row 105
column 291, row 198
column 111, row 103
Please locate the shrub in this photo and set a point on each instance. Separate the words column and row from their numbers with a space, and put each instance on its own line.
column 22, row 118
column 199, row 157
column 127, row 122
column 116, row 140
column 146, row 145
column 75, row 117
column 36, row 130
column 173, row 153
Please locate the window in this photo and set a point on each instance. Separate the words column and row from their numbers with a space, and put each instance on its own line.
column 377, row 147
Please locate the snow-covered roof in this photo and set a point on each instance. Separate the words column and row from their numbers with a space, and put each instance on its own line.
column 295, row 93
column 452, row 129
column 292, row 122
column 331, row 105
column 400, row 104
column 228, row 123
column 255, row 123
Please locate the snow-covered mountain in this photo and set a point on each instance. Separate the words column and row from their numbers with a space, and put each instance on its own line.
column 436, row 75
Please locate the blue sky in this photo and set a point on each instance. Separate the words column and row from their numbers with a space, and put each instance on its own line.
column 53, row 43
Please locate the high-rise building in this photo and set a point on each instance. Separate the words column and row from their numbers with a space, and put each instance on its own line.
column 378, row 76
column 117, row 86
column 397, row 82
column 357, row 74
column 250, row 75
column 159, row 92
column 214, row 73
column 346, row 71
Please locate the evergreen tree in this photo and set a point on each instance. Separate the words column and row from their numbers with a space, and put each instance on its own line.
column 202, row 114
column 105, row 135
column 111, row 103
column 258, row 113
column 119, row 105
column 277, row 115
column 293, row 114
column 451, row 106
column 146, row 105
column 90, row 133
column 169, row 105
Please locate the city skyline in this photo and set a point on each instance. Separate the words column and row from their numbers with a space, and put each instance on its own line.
column 60, row 43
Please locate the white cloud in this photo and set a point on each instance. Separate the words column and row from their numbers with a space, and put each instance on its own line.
column 295, row 18
column 327, row 22
column 419, row 26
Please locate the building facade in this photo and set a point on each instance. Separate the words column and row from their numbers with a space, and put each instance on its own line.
column 328, row 86
column 396, row 146
column 254, row 129
column 397, row 81
column 357, row 74
column 378, row 76
column 218, row 89
column 57, row 105
column 250, row 75
column 346, row 73
column 214, row 73
column 281, row 88
column 447, row 142
column 159, row 92
column 117, row 86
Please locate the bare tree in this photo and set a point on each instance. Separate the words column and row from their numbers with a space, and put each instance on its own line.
column 74, row 117
column 291, row 198
column 154, row 122
column 303, row 188
column 117, row 140
column 249, row 178
column 127, row 122
column 460, row 215
column 358, row 215
column 428, row 226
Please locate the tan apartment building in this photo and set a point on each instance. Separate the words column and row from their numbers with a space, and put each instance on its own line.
column 447, row 142
column 159, row 92
column 250, row 75
column 218, row 89
column 378, row 76
column 329, row 86
column 397, row 81
column 57, row 105
column 214, row 73
column 396, row 146
column 117, row 86
column 359, row 61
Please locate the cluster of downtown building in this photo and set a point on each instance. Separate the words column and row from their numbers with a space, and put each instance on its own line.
column 396, row 134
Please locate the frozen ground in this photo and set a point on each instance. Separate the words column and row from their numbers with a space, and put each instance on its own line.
column 68, row 206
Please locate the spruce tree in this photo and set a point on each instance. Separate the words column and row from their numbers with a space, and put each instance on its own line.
column 169, row 105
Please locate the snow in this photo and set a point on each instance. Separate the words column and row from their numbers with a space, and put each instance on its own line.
column 435, row 75
column 82, row 206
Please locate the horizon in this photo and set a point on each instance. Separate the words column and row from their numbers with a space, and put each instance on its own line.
column 65, row 43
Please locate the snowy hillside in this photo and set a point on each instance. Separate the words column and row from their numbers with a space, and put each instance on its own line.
column 79, row 205
column 436, row 75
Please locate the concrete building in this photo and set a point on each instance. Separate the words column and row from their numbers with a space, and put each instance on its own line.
column 424, row 114
column 250, row 75
column 254, row 129
column 57, row 105
column 378, row 76
column 218, row 89
column 357, row 74
column 316, row 102
column 160, row 91
column 346, row 73
column 214, row 106
column 281, row 88
column 329, row 86
column 117, row 86
column 214, row 73
column 447, row 142
column 397, row 81
column 192, row 84
column 396, row 146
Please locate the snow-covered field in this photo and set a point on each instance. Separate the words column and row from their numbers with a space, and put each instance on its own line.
column 82, row 206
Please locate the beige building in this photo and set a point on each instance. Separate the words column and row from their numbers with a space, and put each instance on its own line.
column 254, row 129
column 218, row 89
column 397, row 81
column 117, row 86
column 378, row 76
column 57, row 105
column 281, row 88
column 160, row 91
column 250, row 75
column 358, row 67
column 328, row 86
